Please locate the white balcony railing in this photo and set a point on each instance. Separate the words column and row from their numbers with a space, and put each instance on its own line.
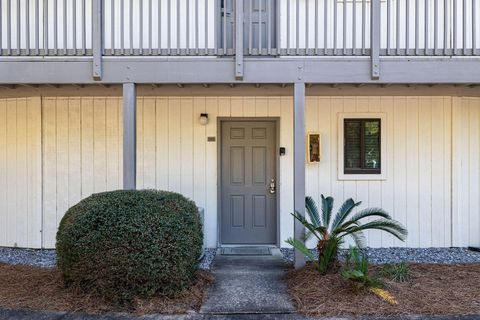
column 270, row 27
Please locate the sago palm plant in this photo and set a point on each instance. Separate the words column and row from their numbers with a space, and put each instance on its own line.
column 330, row 231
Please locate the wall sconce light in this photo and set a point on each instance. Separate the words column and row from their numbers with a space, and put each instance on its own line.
column 203, row 119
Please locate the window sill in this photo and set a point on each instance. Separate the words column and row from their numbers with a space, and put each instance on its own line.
column 362, row 177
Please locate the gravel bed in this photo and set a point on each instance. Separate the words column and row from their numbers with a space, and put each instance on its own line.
column 47, row 258
column 412, row 255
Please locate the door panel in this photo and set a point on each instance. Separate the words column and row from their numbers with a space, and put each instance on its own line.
column 248, row 165
column 259, row 28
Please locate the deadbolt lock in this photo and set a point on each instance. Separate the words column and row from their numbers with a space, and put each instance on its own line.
column 273, row 186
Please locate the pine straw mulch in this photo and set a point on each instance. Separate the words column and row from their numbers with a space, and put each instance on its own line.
column 25, row 287
column 434, row 290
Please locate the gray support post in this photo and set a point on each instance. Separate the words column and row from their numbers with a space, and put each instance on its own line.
column 299, row 165
column 129, row 136
column 97, row 42
column 238, row 40
column 375, row 38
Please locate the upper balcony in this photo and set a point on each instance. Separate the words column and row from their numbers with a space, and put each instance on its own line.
column 351, row 40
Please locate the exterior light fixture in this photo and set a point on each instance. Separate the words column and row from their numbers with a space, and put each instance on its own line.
column 203, row 119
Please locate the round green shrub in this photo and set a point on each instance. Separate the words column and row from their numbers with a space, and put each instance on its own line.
column 130, row 243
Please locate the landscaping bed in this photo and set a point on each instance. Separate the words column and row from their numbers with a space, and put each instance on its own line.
column 434, row 289
column 34, row 288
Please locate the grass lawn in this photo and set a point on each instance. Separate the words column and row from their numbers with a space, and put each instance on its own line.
column 434, row 289
column 25, row 287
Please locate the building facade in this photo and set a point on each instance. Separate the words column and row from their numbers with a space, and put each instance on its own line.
column 374, row 100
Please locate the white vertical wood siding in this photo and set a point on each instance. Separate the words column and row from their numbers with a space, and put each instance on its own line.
column 466, row 172
column 82, row 148
column 20, row 172
column 433, row 190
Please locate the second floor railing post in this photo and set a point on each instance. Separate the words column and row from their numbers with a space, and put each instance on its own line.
column 375, row 38
column 97, row 38
column 239, row 39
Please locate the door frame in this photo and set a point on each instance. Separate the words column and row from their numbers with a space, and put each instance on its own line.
column 220, row 122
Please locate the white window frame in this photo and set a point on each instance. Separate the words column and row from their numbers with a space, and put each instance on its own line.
column 383, row 145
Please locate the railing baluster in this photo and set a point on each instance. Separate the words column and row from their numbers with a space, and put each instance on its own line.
column 474, row 27
column 455, row 12
column 74, row 28
column 55, row 27
column 335, row 4
column 397, row 31
column 18, row 27
column 427, row 15
column 64, row 27
column 9, row 27
column 84, row 28
column 288, row 26
column 130, row 21
column 389, row 25
column 206, row 30
column 1, row 29
column 197, row 26
column 140, row 27
column 316, row 27
column 325, row 26
column 354, row 27
column 122, row 27
column 169, row 26
column 344, row 28
column 150, row 31
column 417, row 26
column 445, row 26
column 435, row 27
column 269, row 27
column 112, row 26
column 37, row 28
column 260, row 27
column 306, row 26
column 364, row 25
column 45, row 27
column 187, row 28
column 250, row 27
column 178, row 27
column 464, row 31
column 297, row 27
column 159, row 27
column 27, row 29
column 407, row 28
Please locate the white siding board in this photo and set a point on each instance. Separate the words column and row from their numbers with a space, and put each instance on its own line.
column 87, row 138
column 187, row 160
column 161, row 142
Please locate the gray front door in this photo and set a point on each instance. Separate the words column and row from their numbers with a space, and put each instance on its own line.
column 259, row 29
column 248, row 183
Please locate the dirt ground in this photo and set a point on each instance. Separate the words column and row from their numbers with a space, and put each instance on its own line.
column 433, row 289
column 24, row 287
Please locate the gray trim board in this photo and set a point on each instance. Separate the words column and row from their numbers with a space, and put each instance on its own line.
column 221, row 70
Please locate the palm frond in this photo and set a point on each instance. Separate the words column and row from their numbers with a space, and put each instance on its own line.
column 359, row 238
column 327, row 207
column 343, row 213
column 370, row 212
column 393, row 227
column 300, row 246
column 310, row 227
column 312, row 211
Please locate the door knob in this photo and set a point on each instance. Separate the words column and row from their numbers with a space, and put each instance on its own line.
column 273, row 186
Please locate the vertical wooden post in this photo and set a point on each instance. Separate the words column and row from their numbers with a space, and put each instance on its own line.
column 375, row 38
column 129, row 136
column 97, row 38
column 299, row 165
column 238, row 39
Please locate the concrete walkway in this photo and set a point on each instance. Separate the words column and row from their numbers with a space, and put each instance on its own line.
column 248, row 285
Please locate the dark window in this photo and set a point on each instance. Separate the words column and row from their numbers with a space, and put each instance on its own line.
column 362, row 146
